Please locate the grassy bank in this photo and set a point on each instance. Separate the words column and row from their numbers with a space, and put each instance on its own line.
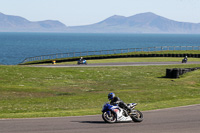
column 52, row 92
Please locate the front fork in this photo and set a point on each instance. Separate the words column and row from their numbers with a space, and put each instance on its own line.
column 109, row 113
column 134, row 113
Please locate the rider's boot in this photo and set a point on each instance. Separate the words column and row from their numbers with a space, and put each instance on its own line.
column 126, row 113
column 130, row 111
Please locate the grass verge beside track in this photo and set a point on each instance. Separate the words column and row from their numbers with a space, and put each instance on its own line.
column 53, row 92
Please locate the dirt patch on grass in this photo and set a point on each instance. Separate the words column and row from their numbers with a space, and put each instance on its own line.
column 191, row 82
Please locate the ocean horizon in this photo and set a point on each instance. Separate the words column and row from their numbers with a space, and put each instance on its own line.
column 15, row 47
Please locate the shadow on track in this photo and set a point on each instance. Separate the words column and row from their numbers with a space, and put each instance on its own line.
column 92, row 122
column 100, row 122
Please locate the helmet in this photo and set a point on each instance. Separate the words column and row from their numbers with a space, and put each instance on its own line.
column 111, row 96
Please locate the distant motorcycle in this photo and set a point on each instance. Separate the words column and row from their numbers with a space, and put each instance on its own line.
column 82, row 62
column 112, row 114
column 184, row 60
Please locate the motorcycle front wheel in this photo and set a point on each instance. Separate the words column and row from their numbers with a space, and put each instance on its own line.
column 109, row 119
column 137, row 117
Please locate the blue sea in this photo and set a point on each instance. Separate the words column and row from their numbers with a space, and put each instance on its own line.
column 15, row 47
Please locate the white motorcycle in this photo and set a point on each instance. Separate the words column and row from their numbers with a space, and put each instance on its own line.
column 112, row 114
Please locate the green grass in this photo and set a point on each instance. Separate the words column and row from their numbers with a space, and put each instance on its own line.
column 54, row 92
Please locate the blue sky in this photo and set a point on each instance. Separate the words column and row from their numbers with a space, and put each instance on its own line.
column 83, row 12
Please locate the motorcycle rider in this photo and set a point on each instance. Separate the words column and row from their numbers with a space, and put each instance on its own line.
column 185, row 58
column 116, row 100
column 81, row 59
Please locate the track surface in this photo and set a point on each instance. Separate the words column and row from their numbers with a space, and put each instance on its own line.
column 173, row 120
column 120, row 64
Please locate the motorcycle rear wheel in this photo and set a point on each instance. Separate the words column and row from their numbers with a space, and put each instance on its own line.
column 138, row 117
column 109, row 119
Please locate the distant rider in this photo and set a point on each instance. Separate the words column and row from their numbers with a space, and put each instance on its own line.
column 81, row 59
column 185, row 58
column 116, row 101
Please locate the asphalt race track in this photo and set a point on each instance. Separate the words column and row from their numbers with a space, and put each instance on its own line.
column 173, row 120
column 119, row 64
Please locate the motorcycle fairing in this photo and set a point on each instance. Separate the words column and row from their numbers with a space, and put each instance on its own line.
column 120, row 116
column 118, row 111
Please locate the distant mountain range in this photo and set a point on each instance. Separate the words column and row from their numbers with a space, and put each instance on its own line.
column 10, row 23
column 139, row 23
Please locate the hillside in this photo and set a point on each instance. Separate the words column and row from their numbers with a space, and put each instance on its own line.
column 140, row 23
column 9, row 23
